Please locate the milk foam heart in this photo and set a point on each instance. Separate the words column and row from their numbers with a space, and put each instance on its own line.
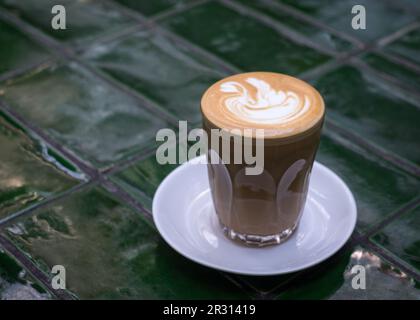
column 280, row 104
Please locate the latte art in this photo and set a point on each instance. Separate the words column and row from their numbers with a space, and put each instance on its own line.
column 266, row 106
column 281, row 105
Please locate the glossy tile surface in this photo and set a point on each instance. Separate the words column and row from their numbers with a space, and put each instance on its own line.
column 164, row 72
column 21, row 50
column 96, row 121
column 407, row 46
column 382, row 17
column 336, row 279
column 142, row 178
column 378, row 187
column 243, row 41
column 325, row 38
column 402, row 238
column 372, row 110
column 85, row 20
column 29, row 171
column 91, row 229
column 16, row 283
column 407, row 76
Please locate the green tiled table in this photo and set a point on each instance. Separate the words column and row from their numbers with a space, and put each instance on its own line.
column 80, row 108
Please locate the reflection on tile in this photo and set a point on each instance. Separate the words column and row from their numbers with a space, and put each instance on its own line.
column 88, row 116
column 326, row 39
column 27, row 175
column 166, row 73
column 20, row 51
column 372, row 110
column 382, row 17
column 16, row 284
column 402, row 237
column 85, row 20
column 243, row 41
column 109, row 251
column 405, row 75
column 408, row 46
column 335, row 278
column 149, row 8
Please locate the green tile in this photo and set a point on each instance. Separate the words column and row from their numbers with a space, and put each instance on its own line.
column 109, row 251
column 166, row 73
column 243, row 41
column 16, row 283
column 29, row 171
column 333, row 279
column 382, row 17
column 407, row 76
column 142, row 178
column 149, row 8
column 85, row 20
column 402, row 237
column 378, row 187
column 87, row 115
column 408, row 46
column 326, row 39
column 20, row 51
column 372, row 110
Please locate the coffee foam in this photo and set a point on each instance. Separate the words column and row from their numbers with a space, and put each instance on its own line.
column 281, row 105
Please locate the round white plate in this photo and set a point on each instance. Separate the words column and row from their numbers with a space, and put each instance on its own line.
column 184, row 215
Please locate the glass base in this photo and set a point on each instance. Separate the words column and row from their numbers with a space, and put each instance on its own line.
column 258, row 240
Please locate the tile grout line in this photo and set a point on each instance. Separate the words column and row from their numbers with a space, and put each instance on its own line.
column 85, row 168
column 124, row 164
column 401, row 211
column 28, row 68
column 146, row 103
column 401, row 163
column 33, row 269
column 46, row 202
column 400, row 61
column 315, row 22
column 115, row 189
column 382, row 42
column 109, row 37
column 280, row 28
column 388, row 78
column 175, row 10
column 396, row 262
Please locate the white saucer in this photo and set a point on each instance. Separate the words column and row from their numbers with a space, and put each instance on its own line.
column 184, row 215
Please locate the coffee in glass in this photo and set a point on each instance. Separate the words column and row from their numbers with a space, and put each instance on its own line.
column 265, row 208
